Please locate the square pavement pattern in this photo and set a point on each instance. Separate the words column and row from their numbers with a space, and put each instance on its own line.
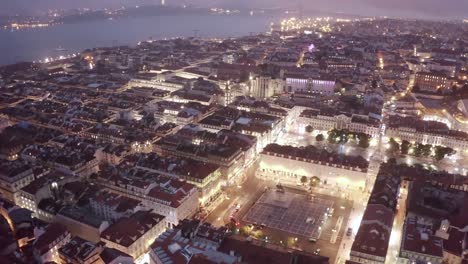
column 293, row 213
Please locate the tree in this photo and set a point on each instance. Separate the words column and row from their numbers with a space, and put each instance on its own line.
column 422, row 150
column 441, row 152
column 332, row 135
column 314, row 181
column 343, row 136
column 303, row 180
column 454, row 89
column 319, row 137
column 364, row 141
column 405, row 146
column 426, row 150
column 418, row 150
column 309, row 129
column 394, row 146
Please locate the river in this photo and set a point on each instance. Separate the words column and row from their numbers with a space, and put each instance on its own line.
column 39, row 43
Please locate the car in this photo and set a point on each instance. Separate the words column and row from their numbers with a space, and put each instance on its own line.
column 349, row 232
column 317, row 251
column 310, row 220
column 234, row 221
column 312, row 240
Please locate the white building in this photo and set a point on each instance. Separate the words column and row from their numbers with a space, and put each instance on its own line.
column 133, row 235
column 30, row 195
column 426, row 132
column 265, row 86
column 169, row 197
column 14, row 175
column 48, row 242
column 298, row 82
column 325, row 121
column 284, row 164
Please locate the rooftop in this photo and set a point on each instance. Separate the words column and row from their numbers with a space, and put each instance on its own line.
column 311, row 153
column 78, row 249
column 425, row 126
column 127, row 230
column 48, row 239
column 418, row 237
column 254, row 252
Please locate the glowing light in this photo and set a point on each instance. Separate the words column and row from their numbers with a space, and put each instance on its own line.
column 311, row 48
column 143, row 259
column 381, row 63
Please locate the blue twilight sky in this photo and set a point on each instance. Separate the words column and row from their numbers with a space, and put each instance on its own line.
column 450, row 9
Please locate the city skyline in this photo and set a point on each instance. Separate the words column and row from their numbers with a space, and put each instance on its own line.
column 234, row 135
column 427, row 9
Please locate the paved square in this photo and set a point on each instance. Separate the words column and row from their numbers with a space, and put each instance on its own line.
column 289, row 212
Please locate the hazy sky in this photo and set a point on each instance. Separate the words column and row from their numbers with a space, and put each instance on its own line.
column 406, row 8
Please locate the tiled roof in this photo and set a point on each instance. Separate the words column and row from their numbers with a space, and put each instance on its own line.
column 127, row 230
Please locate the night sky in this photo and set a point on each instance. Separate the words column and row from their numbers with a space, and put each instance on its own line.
column 450, row 9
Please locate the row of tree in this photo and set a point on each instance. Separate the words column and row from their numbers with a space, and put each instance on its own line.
column 313, row 181
column 336, row 136
column 420, row 150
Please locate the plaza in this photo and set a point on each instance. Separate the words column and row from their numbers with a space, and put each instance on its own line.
column 297, row 214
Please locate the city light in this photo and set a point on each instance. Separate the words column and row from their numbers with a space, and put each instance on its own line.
column 305, row 140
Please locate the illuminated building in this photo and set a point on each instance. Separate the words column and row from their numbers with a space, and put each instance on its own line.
column 286, row 164
column 373, row 237
column 326, row 120
column 230, row 159
column 166, row 195
column 196, row 242
column 47, row 243
column 41, row 188
column 419, row 244
column 265, row 86
column 413, row 129
column 133, row 235
column 431, row 81
column 206, row 177
column 80, row 251
column 14, row 175
column 301, row 82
